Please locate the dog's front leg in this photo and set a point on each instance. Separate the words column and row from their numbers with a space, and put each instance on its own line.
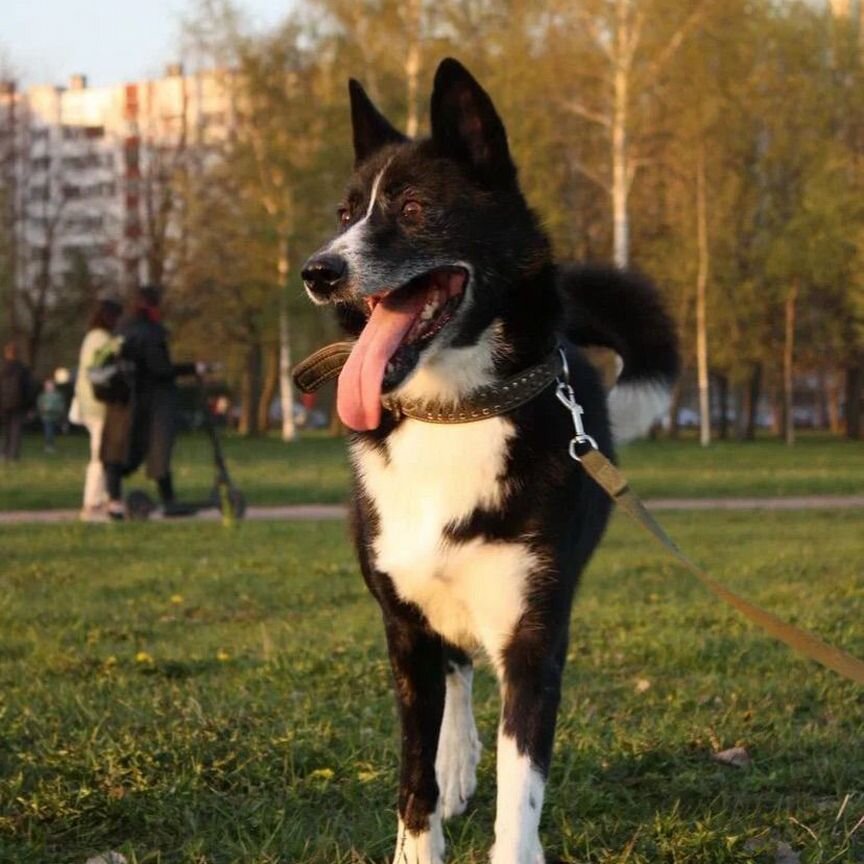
column 417, row 658
column 458, row 744
column 530, row 677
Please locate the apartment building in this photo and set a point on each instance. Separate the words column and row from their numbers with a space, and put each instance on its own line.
column 86, row 174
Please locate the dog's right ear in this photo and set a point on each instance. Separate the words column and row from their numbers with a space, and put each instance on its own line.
column 372, row 130
column 466, row 126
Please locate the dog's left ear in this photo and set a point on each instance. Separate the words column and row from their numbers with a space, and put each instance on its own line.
column 372, row 130
column 466, row 126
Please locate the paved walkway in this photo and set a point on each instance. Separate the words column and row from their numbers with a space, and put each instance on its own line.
column 313, row 512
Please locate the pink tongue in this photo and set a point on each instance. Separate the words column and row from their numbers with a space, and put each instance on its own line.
column 358, row 398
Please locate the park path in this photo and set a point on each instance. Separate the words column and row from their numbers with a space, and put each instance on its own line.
column 327, row 512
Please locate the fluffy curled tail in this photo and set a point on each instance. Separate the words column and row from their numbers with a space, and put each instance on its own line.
column 623, row 311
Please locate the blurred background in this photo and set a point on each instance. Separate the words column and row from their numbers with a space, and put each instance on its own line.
column 717, row 145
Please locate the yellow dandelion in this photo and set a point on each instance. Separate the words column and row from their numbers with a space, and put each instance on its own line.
column 143, row 657
column 222, row 655
column 321, row 774
column 176, row 599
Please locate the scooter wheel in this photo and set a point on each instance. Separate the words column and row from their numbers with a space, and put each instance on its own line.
column 139, row 506
column 236, row 501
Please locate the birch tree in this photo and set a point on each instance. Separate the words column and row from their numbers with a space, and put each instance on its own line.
column 630, row 45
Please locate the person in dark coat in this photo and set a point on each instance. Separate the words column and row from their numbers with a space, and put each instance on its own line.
column 144, row 428
column 16, row 391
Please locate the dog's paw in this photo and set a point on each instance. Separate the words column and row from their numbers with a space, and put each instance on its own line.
column 459, row 751
column 459, row 747
column 427, row 847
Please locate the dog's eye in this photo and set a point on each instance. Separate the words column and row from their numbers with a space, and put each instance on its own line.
column 411, row 209
column 344, row 214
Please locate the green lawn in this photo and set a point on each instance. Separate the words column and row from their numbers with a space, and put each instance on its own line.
column 315, row 470
column 312, row 470
column 187, row 693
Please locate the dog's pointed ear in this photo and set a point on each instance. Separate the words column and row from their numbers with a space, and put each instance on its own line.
column 372, row 130
column 466, row 126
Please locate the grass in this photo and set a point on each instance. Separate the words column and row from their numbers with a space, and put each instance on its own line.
column 186, row 693
column 817, row 464
column 315, row 470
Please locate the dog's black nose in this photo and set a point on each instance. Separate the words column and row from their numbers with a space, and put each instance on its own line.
column 323, row 274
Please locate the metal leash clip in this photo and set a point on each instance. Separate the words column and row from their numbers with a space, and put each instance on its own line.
column 566, row 396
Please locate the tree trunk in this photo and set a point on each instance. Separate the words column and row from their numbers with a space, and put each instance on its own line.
column 753, row 394
column 788, row 366
column 723, row 399
column 854, row 380
column 250, row 386
column 832, row 394
column 268, row 388
column 620, row 160
column 412, row 11
column 286, row 390
column 701, row 286
column 674, row 407
column 739, row 396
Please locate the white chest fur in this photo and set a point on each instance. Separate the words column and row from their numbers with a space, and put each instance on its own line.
column 434, row 476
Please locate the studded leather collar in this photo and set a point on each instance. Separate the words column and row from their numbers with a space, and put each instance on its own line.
column 483, row 403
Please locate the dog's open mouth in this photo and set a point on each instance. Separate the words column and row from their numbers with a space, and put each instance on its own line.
column 402, row 322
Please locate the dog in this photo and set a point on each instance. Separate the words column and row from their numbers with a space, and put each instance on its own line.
column 473, row 522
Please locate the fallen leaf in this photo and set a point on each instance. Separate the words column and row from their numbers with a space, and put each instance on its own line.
column 107, row 858
column 786, row 854
column 737, row 757
column 755, row 845
column 642, row 685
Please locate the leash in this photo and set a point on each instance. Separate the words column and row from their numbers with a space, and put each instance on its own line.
column 583, row 449
column 326, row 364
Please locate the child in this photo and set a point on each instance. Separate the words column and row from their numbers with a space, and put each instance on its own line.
column 52, row 409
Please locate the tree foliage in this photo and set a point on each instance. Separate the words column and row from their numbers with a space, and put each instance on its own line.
column 615, row 110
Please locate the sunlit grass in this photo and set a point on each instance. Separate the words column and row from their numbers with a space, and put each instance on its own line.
column 315, row 470
column 187, row 693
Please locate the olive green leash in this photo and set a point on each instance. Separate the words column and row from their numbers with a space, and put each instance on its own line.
column 326, row 364
column 610, row 479
column 583, row 449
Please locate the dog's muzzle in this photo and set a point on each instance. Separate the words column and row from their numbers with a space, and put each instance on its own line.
column 323, row 275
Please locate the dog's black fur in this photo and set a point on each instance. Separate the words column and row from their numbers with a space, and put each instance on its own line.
column 453, row 201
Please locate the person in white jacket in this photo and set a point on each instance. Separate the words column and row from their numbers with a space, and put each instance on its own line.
column 88, row 411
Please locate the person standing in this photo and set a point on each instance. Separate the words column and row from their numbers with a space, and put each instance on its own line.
column 143, row 429
column 15, row 395
column 51, row 407
column 87, row 411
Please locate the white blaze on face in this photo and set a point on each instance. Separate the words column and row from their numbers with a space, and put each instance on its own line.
column 352, row 244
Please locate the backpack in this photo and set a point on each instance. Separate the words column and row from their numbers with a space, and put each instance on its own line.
column 110, row 374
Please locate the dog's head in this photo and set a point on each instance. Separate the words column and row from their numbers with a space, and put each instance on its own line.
column 435, row 240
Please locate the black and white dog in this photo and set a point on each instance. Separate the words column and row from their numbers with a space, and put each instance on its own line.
column 473, row 535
